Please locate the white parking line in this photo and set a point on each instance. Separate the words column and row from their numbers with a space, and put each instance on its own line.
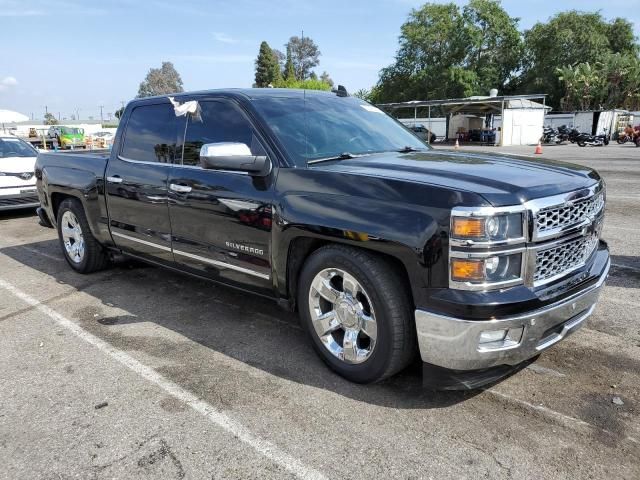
column 624, row 197
column 557, row 416
column 216, row 417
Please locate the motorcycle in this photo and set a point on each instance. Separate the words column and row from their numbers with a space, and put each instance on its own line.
column 549, row 135
column 624, row 138
column 585, row 139
column 565, row 133
column 629, row 134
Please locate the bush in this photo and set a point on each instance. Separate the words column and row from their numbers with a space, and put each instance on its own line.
column 309, row 84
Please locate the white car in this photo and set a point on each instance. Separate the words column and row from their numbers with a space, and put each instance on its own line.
column 17, row 179
column 107, row 136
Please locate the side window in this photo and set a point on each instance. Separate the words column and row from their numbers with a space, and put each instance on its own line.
column 152, row 134
column 217, row 121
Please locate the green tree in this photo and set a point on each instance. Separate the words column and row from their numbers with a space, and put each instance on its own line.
column 308, row 84
column 496, row 45
column 326, row 78
column 567, row 39
column 289, row 72
column 446, row 52
column 613, row 82
column 304, row 56
column 161, row 81
column 266, row 66
column 363, row 94
column 50, row 119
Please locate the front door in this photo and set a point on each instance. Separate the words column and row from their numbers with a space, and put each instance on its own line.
column 221, row 220
column 136, row 181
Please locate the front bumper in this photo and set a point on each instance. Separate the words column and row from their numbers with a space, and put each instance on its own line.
column 455, row 343
column 14, row 201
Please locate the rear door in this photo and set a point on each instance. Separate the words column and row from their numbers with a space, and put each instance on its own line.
column 136, row 181
column 221, row 220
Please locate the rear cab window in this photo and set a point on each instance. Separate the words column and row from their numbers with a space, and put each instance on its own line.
column 153, row 134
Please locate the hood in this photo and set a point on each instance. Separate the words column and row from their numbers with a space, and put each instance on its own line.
column 14, row 168
column 17, row 164
column 501, row 179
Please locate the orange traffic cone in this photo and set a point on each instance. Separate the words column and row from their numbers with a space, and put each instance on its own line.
column 457, row 146
column 538, row 149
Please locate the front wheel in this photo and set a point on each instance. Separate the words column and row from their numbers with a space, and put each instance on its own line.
column 581, row 143
column 80, row 249
column 356, row 308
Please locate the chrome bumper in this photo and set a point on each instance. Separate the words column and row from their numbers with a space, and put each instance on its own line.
column 455, row 343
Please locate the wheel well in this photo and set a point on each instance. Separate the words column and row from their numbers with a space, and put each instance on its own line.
column 302, row 247
column 56, row 200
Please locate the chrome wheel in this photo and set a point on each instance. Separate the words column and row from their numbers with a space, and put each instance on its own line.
column 72, row 237
column 342, row 315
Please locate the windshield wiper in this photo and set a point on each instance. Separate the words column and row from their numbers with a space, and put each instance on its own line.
column 342, row 156
column 408, row 149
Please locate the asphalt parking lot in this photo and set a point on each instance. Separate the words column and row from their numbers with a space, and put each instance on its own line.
column 136, row 372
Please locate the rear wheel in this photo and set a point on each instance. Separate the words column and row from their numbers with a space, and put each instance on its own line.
column 81, row 250
column 581, row 143
column 355, row 307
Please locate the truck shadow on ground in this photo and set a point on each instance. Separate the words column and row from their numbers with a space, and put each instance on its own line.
column 625, row 271
column 238, row 325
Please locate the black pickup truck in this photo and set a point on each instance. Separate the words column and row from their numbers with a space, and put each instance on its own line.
column 386, row 247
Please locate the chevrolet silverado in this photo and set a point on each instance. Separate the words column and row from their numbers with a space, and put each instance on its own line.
column 385, row 247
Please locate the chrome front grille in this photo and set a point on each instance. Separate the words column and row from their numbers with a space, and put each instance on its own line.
column 563, row 258
column 559, row 217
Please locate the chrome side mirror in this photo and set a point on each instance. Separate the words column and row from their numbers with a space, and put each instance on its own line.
column 235, row 157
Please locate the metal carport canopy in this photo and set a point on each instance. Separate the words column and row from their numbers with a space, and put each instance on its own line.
column 470, row 105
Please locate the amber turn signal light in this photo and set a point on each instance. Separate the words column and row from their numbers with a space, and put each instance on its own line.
column 463, row 270
column 468, row 227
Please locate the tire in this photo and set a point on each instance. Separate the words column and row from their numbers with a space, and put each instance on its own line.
column 621, row 141
column 74, row 229
column 383, row 297
column 581, row 143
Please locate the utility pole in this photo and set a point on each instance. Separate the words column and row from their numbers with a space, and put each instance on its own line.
column 101, row 118
column 77, row 114
column 301, row 51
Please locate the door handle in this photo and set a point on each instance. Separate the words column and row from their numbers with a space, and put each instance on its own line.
column 180, row 188
column 114, row 179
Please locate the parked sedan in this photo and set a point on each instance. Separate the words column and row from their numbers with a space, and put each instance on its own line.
column 423, row 132
column 17, row 180
column 105, row 135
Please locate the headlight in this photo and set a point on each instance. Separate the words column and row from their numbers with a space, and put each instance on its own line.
column 495, row 270
column 490, row 228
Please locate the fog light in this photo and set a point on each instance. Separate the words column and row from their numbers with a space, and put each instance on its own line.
column 492, row 336
column 500, row 339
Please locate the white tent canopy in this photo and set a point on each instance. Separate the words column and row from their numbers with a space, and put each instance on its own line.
column 9, row 116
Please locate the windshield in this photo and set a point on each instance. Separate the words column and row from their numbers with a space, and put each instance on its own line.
column 316, row 126
column 14, row 147
column 71, row 131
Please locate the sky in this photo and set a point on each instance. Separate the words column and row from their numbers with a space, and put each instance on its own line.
column 74, row 55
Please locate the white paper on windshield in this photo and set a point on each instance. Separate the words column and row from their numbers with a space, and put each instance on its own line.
column 371, row 108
